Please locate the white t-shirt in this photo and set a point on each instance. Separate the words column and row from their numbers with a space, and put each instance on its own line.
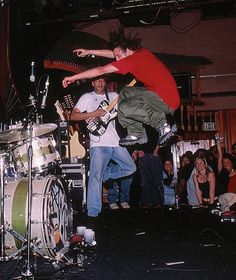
column 89, row 102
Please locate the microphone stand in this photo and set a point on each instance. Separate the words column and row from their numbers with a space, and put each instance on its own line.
column 26, row 271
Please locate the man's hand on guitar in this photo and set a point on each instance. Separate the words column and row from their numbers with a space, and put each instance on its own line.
column 99, row 113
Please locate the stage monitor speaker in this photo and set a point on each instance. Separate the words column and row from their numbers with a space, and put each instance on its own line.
column 184, row 85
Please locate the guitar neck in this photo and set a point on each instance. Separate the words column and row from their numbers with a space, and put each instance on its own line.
column 115, row 101
column 112, row 104
column 132, row 83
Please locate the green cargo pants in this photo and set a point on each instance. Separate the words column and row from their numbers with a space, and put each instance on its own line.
column 138, row 106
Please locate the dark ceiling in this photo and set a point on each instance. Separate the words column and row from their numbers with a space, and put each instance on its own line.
column 129, row 12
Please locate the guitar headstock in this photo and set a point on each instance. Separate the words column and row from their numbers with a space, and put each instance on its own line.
column 68, row 102
column 59, row 109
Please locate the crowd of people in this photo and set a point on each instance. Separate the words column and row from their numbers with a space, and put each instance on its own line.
column 201, row 179
column 206, row 175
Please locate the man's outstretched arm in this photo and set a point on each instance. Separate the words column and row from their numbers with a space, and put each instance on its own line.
column 103, row 53
column 91, row 73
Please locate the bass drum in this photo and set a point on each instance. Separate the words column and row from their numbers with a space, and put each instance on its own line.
column 51, row 222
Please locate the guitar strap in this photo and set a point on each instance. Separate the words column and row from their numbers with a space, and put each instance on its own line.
column 107, row 96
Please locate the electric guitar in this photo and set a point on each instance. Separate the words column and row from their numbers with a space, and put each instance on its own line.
column 98, row 125
column 76, row 149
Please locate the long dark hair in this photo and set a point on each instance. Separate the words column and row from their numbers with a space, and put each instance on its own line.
column 118, row 38
column 231, row 158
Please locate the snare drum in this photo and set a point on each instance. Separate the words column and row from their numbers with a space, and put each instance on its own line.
column 44, row 155
column 50, row 216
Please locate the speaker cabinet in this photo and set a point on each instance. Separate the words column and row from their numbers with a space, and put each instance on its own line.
column 184, row 85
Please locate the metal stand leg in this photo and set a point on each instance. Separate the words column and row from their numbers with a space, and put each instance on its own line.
column 2, row 185
column 27, row 272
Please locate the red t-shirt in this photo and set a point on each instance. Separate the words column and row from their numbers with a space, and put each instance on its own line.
column 232, row 184
column 149, row 70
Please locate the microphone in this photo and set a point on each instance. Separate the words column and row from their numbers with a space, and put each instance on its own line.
column 45, row 95
column 32, row 75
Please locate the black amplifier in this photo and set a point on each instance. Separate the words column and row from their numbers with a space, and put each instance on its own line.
column 75, row 176
column 74, row 171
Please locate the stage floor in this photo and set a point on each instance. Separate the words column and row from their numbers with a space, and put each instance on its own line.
column 149, row 244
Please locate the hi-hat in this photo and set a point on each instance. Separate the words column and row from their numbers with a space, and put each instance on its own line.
column 21, row 133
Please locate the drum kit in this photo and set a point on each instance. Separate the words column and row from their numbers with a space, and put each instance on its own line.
column 34, row 202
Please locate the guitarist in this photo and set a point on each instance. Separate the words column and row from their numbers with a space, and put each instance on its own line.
column 107, row 158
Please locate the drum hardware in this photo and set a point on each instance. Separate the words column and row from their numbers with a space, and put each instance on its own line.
column 27, row 269
column 21, row 132
column 32, row 245
column 61, row 254
column 2, row 185
column 52, row 223
column 46, row 225
column 19, row 237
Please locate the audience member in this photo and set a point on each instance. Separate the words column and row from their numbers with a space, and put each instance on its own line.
column 234, row 150
column 232, row 182
column 169, row 182
column 149, row 167
column 191, row 191
column 226, row 169
column 204, row 182
column 119, row 190
column 184, row 173
column 212, row 159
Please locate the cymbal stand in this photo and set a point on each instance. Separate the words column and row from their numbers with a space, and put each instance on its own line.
column 2, row 194
column 26, row 272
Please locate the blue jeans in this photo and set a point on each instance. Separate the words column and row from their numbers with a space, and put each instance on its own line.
column 169, row 195
column 150, row 170
column 119, row 189
column 105, row 163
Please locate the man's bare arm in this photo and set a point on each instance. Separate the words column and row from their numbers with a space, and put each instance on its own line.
column 104, row 53
column 76, row 115
column 91, row 73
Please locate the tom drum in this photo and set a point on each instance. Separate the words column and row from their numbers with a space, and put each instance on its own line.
column 44, row 155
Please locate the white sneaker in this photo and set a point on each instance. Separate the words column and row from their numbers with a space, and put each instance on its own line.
column 164, row 130
column 132, row 140
column 113, row 206
column 166, row 134
column 125, row 205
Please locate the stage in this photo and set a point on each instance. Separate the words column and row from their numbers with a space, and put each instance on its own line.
column 150, row 243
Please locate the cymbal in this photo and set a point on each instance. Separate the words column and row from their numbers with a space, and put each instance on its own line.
column 9, row 136
column 21, row 133
column 39, row 130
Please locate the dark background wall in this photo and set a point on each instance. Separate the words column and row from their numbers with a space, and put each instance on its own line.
column 187, row 33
